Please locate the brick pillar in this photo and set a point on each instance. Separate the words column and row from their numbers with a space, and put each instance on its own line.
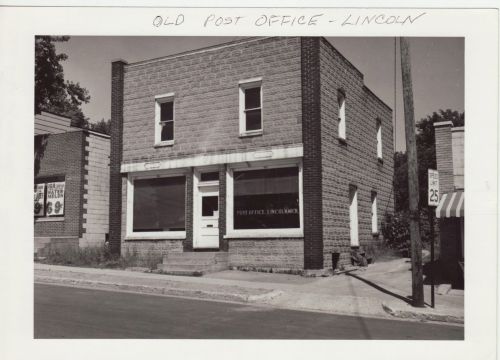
column 224, row 246
column 115, row 159
column 311, row 139
column 188, row 241
column 444, row 156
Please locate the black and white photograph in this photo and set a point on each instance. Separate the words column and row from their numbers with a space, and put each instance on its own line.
column 301, row 180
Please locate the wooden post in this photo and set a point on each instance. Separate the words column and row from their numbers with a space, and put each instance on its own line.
column 433, row 266
column 411, row 151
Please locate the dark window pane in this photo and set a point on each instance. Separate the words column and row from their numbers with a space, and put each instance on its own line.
column 210, row 176
column 167, row 111
column 253, row 120
column 266, row 199
column 252, row 98
column 167, row 131
column 159, row 204
column 209, row 204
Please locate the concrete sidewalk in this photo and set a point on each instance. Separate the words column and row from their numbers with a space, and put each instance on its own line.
column 380, row 290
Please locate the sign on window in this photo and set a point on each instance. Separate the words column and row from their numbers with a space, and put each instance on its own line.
column 433, row 195
column 55, row 198
column 39, row 199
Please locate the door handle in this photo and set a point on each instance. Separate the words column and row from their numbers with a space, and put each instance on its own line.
column 209, row 226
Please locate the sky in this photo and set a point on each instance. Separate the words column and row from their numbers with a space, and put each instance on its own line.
column 437, row 68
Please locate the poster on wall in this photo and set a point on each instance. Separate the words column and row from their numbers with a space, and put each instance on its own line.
column 39, row 195
column 55, row 198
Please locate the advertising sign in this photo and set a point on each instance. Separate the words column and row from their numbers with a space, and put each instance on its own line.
column 433, row 192
column 39, row 195
column 55, row 198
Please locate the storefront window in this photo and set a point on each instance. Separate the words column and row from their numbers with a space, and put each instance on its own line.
column 49, row 197
column 266, row 199
column 159, row 204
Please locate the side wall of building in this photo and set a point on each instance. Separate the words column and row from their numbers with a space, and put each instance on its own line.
column 95, row 226
column 353, row 161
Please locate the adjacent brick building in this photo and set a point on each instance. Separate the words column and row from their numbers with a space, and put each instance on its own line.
column 71, row 185
column 451, row 208
column 271, row 150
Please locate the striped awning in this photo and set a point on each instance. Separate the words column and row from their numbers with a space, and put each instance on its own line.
column 451, row 205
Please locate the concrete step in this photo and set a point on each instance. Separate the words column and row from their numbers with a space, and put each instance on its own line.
column 194, row 263
column 191, row 270
column 195, row 258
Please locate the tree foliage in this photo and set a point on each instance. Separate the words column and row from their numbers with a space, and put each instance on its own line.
column 103, row 126
column 426, row 157
column 52, row 92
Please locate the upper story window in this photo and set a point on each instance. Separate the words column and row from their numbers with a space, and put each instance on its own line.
column 379, row 139
column 251, row 107
column 341, row 114
column 164, row 119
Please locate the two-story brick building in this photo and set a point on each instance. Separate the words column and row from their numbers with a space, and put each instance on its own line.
column 269, row 151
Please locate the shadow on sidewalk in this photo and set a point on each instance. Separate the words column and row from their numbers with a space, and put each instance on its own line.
column 379, row 288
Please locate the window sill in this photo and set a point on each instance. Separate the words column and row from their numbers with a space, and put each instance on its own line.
column 251, row 133
column 272, row 233
column 164, row 144
column 342, row 140
column 49, row 219
column 174, row 235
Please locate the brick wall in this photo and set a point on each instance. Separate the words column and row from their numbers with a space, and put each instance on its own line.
column 353, row 162
column 267, row 253
column 457, row 140
column 444, row 156
column 207, row 99
column 96, row 191
column 63, row 156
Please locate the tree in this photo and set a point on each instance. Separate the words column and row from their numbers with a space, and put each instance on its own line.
column 426, row 155
column 52, row 92
column 103, row 126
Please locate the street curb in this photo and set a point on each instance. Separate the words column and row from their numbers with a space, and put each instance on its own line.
column 422, row 316
column 159, row 290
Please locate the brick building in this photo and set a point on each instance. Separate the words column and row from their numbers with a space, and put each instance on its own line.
column 451, row 208
column 270, row 152
column 71, row 185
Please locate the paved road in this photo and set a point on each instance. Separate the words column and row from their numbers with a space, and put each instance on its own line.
column 67, row 312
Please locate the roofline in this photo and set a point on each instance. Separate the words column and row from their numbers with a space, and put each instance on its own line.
column 366, row 88
column 343, row 57
column 248, row 40
column 200, row 50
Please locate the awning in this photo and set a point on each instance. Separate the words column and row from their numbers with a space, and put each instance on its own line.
column 451, row 205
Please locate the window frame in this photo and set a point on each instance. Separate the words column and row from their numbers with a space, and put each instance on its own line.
column 341, row 115
column 46, row 180
column 262, row 233
column 353, row 215
column 151, row 235
column 374, row 213
column 379, row 139
column 244, row 85
column 161, row 99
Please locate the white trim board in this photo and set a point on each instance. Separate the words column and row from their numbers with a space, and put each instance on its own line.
column 205, row 160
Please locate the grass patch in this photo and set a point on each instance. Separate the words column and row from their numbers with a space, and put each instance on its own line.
column 99, row 257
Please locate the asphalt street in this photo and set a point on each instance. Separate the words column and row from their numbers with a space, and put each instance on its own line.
column 69, row 312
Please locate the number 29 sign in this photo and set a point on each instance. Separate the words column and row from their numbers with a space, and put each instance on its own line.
column 433, row 195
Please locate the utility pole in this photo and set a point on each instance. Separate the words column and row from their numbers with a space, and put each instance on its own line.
column 411, row 151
